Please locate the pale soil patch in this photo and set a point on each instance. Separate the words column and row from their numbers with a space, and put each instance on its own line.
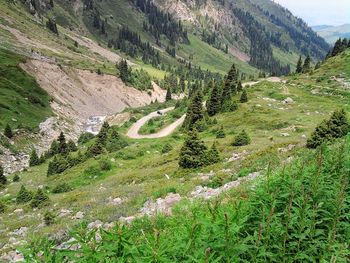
column 95, row 48
column 81, row 93
column 239, row 54
column 23, row 39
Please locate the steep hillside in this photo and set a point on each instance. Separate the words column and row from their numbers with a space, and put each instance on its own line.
column 131, row 178
column 241, row 31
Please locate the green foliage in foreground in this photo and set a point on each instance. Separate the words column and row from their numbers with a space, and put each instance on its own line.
column 298, row 214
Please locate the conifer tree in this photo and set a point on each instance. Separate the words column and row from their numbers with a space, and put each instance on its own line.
column 241, row 139
column 229, row 85
column 3, row 179
column 244, row 97
column 193, row 152
column 54, row 148
column 24, row 195
column 213, row 155
column 62, row 145
column 71, row 146
column 221, row 133
column 239, row 86
column 195, row 111
column 307, row 64
column 299, row 66
column 8, row 131
column 34, row 158
column 168, row 95
column 214, row 100
column 40, row 199
column 182, row 83
column 336, row 127
column 124, row 71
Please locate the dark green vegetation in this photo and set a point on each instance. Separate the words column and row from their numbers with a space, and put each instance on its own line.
column 336, row 127
column 23, row 104
column 299, row 212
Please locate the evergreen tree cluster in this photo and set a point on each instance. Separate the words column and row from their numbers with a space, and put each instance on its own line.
column 339, row 46
column 131, row 44
column 161, row 23
column 261, row 52
column 194, row 153
column 303, row 67
column 336, row 127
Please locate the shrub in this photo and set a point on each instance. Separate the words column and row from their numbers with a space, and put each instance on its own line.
column 244, row 97
column 220, row 133
column 85, row 137
column 8, row 131
column 16, row 178
column 24, row 196
column 49, row 218
column 62, row 188
column 105, row 164
column 3, row 179
column 167, row 148
column 34, row 158
column 92, row 171
column 241, row 139
column 40, row 199
column 213, row 155
column 2, row 207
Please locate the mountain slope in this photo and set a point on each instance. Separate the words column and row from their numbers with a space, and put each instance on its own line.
column 241, row 30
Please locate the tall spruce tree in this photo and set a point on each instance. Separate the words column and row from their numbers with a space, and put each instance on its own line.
column 307, row 64
column 62, row 145
column 299, row 65
column 3, row 179
column 124, row 71
column 229, row 85
column 214, row 104
column 193, row 152
column 195, row 111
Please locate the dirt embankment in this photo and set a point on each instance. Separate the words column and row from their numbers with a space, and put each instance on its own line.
column 81, row 93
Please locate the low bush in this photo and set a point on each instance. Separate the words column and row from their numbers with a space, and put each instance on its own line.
column 62, row 188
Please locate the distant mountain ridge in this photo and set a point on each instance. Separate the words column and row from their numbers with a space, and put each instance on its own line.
column 332, row 33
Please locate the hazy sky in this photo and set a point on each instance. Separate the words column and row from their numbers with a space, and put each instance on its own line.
column 320, row 12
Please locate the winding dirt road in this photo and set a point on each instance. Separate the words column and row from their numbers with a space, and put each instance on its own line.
column 134, row 129
column 133, row 132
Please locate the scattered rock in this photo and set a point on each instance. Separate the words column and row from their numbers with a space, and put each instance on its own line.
column 160, row 205
column 12, row 256
column 64, row 212
column 115, row 201
column 18, row 211
column 79, row 215
column 94, row 225
column 285, row 134
column 287, row 149
column 237, row 156
column 288, row 101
